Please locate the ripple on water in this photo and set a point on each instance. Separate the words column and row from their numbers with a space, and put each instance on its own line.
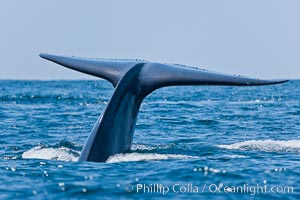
column 176, row 139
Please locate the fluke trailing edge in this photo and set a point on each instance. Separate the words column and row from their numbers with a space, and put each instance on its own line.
column 133, row 81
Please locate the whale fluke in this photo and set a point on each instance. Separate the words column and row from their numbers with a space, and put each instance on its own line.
column 110, row 70
column 133, row 81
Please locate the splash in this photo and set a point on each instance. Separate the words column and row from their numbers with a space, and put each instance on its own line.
column 266, row 145
column 60, row 154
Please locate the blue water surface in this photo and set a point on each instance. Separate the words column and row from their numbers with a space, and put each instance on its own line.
column 190, row 143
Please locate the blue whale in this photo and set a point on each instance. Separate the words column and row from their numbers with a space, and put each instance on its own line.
column 133, row 80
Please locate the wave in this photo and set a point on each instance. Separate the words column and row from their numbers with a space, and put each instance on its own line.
column 265, row 145
column 60, row 154
column 133, row 157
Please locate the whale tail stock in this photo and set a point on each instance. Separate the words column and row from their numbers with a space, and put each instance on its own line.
column 133, row 81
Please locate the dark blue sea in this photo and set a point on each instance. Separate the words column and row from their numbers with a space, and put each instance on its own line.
column 199, row 142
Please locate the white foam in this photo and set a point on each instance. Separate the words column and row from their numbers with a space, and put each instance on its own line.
column 133, row 157
column 235, row 156
column 266, row 145
column 142, row 147
column 256, row 101
column 65, row 154
column 152, row 147
column 61, row 154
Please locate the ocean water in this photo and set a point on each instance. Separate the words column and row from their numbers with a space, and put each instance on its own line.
column 199, row 142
